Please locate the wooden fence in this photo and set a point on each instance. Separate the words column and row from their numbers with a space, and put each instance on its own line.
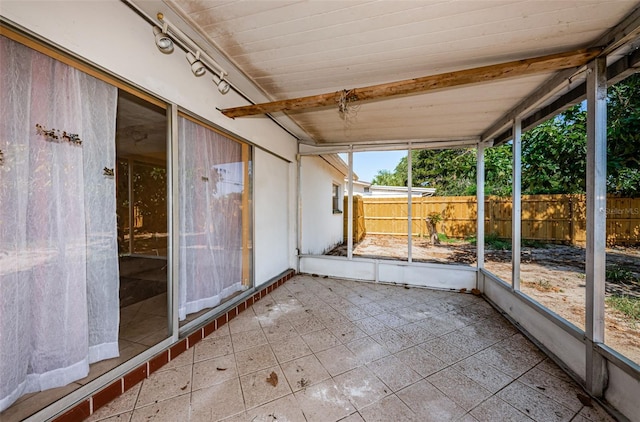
column 359, row 230
column 545, row 218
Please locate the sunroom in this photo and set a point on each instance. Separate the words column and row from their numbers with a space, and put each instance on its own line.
column 151, row 205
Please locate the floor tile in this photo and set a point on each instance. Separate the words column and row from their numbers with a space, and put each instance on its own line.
column 416, row 331
column 338, row 359
column 370, row 325
column 550, row 367
column 324, row 402
column 391, row 319
column 495, row 409
column 361, row 387
column 555, row 388
column 595, row 413
column 354, row 417
column 183, row 359
column 511, row 361
column 290, row 349
column 444, row 350
column 394, row 373
column 462, row 390
column 214, row 371
column 346, row 331
column 355, row 313
column 421, row 361
column 392, row 340
column 164, row 385
column 367, row 349
column 254, row 359
column 247, row 339
column 217, row 402
column 320, row 340
column 429, row 403
column 122, row 417
column 285, row 409
column 389, row 408
column 484, row 374
column 304, row 372
column 307, row 325
column 533, row 403
column 246, row 321
column 281, row 331
column 171, row 410
column 213, row 347
column 264, row 386
column 467, row 345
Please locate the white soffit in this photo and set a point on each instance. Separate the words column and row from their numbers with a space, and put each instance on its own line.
column 299, row 48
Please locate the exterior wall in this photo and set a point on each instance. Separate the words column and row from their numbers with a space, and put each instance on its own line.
column 321, row 228
column 272, row 216
column 113, row 37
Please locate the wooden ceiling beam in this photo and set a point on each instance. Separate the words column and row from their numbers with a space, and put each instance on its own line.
column 427, row 83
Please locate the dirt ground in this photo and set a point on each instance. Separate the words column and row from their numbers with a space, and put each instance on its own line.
column 553, row 275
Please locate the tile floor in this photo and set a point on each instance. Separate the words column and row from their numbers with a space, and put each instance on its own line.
column 321, row 349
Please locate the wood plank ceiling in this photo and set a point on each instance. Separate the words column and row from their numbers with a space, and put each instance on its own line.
column 301, row 48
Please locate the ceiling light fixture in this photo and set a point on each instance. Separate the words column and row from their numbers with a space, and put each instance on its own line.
column 197, row 67
column 163, row 41
column 199, row 61
column 223, row 86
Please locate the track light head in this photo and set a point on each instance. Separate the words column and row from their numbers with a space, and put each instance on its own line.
column 197, row 67
column 163, row 41
column 223, row 86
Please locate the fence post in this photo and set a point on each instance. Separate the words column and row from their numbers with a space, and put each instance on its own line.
column 491, row 211
column 572, row 235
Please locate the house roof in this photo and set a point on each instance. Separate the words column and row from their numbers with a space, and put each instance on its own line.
column 283, row 49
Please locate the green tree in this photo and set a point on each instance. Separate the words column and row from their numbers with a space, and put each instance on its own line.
column 553, row 155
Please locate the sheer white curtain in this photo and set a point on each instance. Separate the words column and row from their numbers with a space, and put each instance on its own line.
column 59, row 307
column 211, row 186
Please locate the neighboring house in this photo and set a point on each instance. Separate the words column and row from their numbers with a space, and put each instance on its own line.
column 321, row 192
column 379, row 191
column 376, row 191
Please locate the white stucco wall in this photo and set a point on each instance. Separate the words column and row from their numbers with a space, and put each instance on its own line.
column 111, row 36
column 272, row 216
column 321, row 228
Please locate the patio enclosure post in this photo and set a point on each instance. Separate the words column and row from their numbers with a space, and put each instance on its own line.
column 516, row 210
column 350, row 208
column 409, row 204
column 596, row 375
column 480, row 212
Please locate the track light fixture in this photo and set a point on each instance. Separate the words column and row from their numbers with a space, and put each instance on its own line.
column 163, row 41
column 197, row 67
column 167, row 34
column 223, row 86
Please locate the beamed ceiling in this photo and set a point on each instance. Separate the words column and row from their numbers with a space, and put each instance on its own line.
column 294, row 49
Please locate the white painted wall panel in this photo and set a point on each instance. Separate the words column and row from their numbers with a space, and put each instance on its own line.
column 338, row 267
column 272, row 216
column 622, row 392
column 321, row 228
column 435, row 276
